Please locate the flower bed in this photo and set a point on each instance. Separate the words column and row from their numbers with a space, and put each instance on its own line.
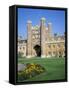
column 31, row 70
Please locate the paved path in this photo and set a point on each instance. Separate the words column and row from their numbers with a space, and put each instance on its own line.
column 21, row 67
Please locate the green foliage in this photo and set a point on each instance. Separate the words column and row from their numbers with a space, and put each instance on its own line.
column 20, row 55
column 31, row 70
column 54, row 68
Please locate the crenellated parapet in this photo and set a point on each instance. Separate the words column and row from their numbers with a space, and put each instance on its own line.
column 41, row 41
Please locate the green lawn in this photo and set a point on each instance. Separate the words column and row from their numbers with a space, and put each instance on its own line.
column 55, row 68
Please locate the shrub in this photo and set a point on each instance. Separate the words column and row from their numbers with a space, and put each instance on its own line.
column 31, row 70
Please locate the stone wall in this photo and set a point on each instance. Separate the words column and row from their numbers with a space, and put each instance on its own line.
column 41, row 36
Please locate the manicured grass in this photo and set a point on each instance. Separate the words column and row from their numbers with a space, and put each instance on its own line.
column 55, row 68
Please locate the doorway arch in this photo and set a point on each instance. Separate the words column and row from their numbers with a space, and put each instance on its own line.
column 37, row 49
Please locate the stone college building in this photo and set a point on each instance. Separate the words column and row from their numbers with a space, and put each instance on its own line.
column 41, row 42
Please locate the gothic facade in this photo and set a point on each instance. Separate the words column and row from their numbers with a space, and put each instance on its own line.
column 41, row 42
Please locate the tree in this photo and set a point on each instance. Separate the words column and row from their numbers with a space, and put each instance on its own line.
column 19, row 54
column 55, row 34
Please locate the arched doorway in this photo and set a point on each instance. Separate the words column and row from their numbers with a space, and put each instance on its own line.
column 37, row 50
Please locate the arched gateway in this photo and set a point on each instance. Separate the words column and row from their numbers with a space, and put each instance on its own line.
column 36, row 35
column 41, row 42
column 37, row 49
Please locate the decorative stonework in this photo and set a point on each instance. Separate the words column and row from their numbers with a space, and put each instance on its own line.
column 41, row 42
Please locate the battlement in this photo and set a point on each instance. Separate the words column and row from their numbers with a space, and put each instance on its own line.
column 41, row 42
